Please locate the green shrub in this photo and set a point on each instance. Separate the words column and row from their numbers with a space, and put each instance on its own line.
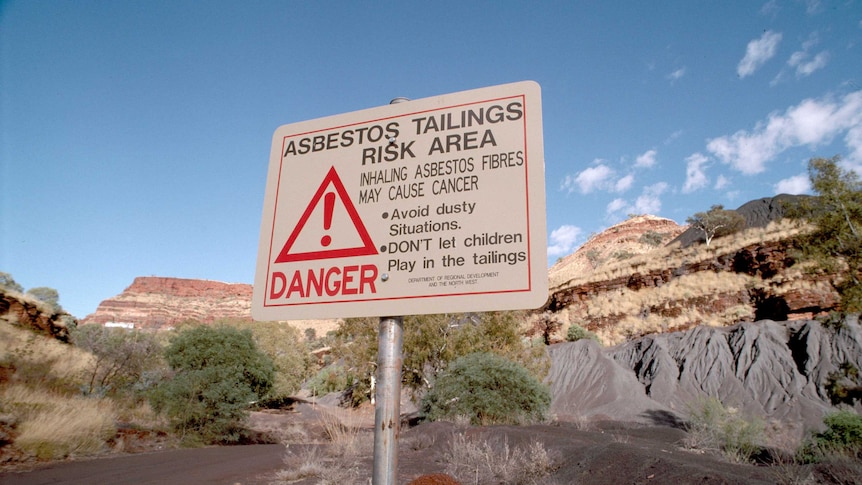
column 844, row 386
column 430, row 343
column 652, row 238
column 219, row 372
column 577, row 332
column 712, row 426
column 330, row 379
column 487, row 389
column 843, row 436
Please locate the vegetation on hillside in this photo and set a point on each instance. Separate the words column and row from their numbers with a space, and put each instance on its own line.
column 836, row 214
column 8, row 282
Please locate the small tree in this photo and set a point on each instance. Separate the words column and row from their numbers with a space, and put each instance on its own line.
column 290, row 355
column 716, row 222
column 123, row 359
column 594, row 257
column 46, row 295
column 218, row 373
column 546, row 325
column 9, row 283
column 836, row 243
column 488, row 389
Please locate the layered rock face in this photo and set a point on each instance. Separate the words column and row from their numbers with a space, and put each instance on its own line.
column 649, row 275
column 762, row 261
column 27, row 312
column 155, row 303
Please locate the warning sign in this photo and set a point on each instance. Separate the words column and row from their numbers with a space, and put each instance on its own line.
column 429, row 206
column 334, row 191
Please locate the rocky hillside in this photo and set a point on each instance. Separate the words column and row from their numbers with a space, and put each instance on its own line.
column 24, row 311
column 771, row 370
column 635, row 236
column 631, row 287
column 155, row 303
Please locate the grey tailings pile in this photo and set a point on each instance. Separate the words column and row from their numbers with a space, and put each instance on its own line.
column 766, row 369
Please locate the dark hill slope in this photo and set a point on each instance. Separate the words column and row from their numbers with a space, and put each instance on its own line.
column 768, row 369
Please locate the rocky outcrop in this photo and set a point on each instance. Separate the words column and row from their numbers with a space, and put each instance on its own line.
column 156, row 302
column 27, row 312
column 637, row 235
column 763, row 260
column 766, row 369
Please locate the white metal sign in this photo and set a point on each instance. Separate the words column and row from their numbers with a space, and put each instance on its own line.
column 427, row 206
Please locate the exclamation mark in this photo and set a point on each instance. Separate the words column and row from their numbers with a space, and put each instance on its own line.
column 328, row 206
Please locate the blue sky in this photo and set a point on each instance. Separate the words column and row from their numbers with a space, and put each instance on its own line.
column 135, row 135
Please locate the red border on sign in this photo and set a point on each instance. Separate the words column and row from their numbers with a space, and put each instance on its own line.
column 530, row 262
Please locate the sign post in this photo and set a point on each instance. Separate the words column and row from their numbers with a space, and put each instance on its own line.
column 431, row 206
column 387, row 406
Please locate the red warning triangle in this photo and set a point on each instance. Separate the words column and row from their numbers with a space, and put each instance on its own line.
column 366, row 249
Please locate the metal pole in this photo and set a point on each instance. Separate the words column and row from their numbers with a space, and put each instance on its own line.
column 387, row 411
column 387, row 407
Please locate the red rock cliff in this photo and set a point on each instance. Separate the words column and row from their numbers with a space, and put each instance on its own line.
column 155, row 302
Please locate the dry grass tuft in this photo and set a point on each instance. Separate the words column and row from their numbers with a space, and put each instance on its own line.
column 53, row 427
column 474, row 461
column 309, row 463
column 39, row 360
column 342, row 429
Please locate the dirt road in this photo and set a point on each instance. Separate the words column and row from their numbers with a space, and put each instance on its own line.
column 245, row 465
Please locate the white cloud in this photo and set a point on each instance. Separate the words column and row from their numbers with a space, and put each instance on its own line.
column 853, row 139
column 563, row 239
column 624, row 183
column 695, row 177
column 646, row 159
column 649, row 202
column 770, row 8
column 798, row 184
column 721, row 182
column 804, row 66
column 675, row 75
column 810, row 123
column 596, row 178
column 812, row 6
column 673, row 137
column 616, row 205
column 802, row 60
column 758, row 52
column 589, row 180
